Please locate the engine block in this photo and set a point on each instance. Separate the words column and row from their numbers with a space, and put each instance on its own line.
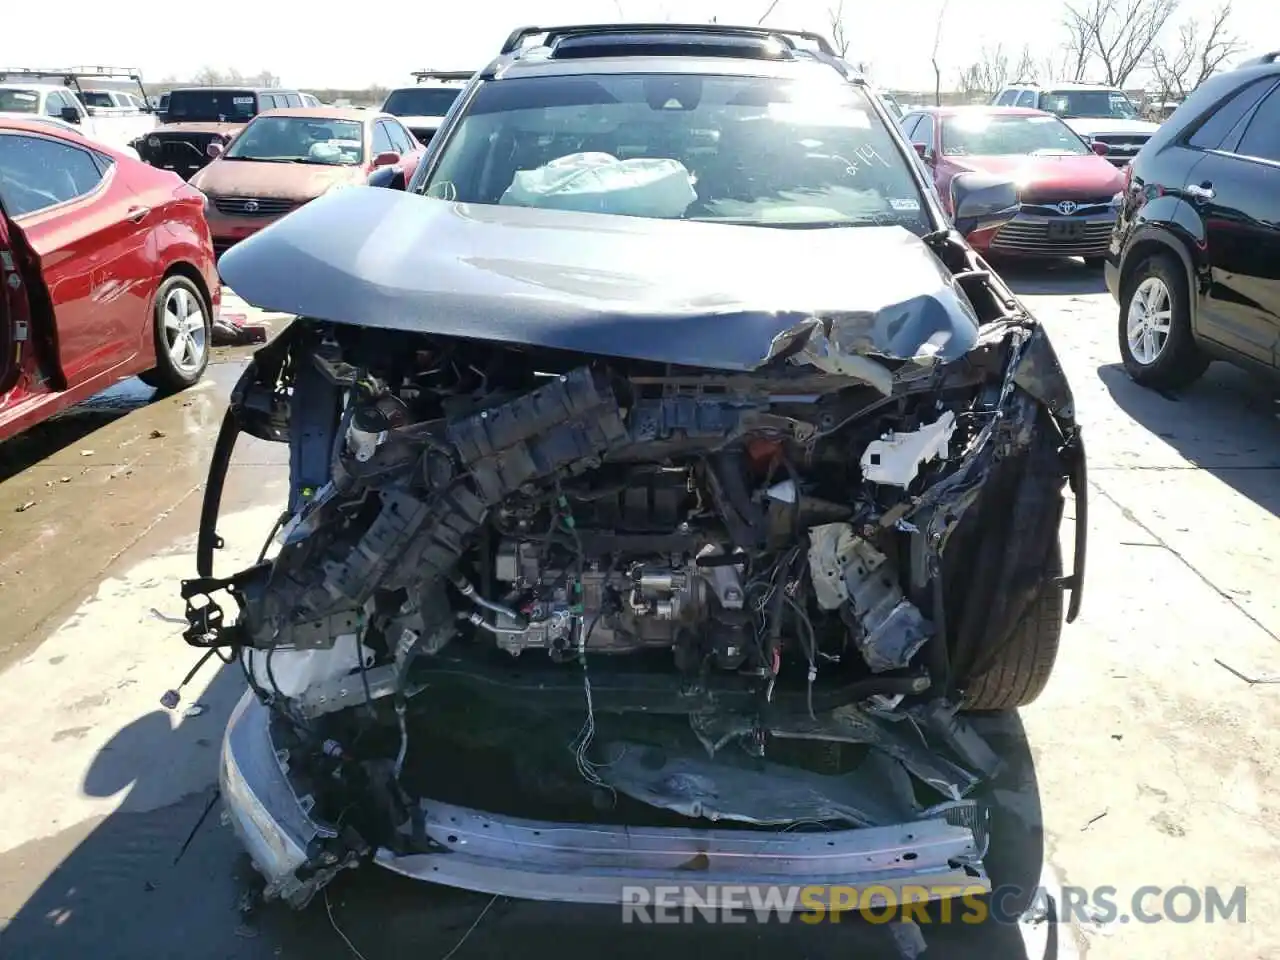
column 646, row 603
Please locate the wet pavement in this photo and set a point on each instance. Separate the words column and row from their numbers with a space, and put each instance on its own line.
column 1145, row 762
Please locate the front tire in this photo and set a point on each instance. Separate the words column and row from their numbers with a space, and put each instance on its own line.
column 1156, row 343
column 182, row 336
column 1019, row 671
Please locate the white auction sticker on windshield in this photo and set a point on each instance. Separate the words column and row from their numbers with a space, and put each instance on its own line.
column 239, row 101
column 25, row 97
column 904, row 204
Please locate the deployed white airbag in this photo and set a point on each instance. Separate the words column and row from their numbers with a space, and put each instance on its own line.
column 601, row 183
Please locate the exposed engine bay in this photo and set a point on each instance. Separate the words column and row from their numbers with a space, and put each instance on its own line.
column 715, row 564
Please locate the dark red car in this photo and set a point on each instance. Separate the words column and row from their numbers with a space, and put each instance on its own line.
column 107, row 269
column 1066, row 188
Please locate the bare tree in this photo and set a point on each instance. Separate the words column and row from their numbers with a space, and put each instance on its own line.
column 768, row 10
column 1024, row 68
column 1079, row 46
column 1057, row 66
column 839, row 37
column 1119, row 34
column 1199, row 52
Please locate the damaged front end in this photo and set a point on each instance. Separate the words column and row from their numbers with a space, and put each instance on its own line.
column 547, row 623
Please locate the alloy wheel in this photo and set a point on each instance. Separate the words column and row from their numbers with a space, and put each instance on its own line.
column 185, row 330
column 1150, row 318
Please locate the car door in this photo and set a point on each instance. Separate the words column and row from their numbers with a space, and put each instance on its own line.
column 89, row 233
column 1235, row 190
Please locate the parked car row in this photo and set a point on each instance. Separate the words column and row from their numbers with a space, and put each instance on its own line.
column 1186, row 224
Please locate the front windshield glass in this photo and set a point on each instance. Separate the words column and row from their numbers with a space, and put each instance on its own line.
column 211, row 106
column 421, row 101
column 300, row 140
column 1098, row 104
column 984, row 134
column 730, row 149
column 19, row 101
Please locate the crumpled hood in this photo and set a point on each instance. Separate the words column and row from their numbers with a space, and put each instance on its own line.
column 1092, row 126
column 285, row 181
column 669, row 291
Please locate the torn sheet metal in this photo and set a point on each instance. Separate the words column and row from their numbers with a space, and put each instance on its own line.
column 851, row 725
column 740, row 788
column 823, row 350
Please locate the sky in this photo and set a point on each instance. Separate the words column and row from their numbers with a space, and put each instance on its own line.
column 350, row 48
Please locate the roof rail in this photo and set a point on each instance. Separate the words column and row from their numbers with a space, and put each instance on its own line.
column 420, row 75
column 551, row 35
column 1263, row 60
column 588, row 46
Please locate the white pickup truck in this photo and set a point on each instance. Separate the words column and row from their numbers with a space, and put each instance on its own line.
column 24, row 91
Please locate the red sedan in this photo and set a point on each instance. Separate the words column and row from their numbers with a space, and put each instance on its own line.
column 1066, row 188
column 107, row 269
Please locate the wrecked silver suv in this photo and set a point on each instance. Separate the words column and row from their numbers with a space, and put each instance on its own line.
column 636, row 547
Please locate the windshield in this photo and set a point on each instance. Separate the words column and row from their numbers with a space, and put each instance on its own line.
column 730, row 149
column 984, row 134
column 95, row 98
column 335, row 143
column 421, row 101
column 211, row 106
column 19, row 101
column 1099, row 104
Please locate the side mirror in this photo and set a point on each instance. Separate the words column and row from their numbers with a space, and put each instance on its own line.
column 1100, row 148
column 386, row 159
column 214, row 150
column 923, row 151
column 390, row 177
column 69, row 114
column 981, row 201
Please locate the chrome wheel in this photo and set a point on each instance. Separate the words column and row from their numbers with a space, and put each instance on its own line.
column 1150, row 318
column 185, row 333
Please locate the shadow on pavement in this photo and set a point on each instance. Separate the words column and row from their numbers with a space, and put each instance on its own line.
column 1224, row 423
column 1050, row 277
column 131, row 886
column 73, row 425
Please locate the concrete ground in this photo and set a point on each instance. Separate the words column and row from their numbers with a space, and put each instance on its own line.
column 1150, row 759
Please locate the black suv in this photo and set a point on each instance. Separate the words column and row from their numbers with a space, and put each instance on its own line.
column 1195, row 257
column 193, row 118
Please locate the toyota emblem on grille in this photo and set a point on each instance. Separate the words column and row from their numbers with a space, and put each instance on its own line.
column 1067, row 207
column 251, row 206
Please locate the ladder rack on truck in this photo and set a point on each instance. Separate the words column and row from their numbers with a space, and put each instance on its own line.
column 71, row 76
